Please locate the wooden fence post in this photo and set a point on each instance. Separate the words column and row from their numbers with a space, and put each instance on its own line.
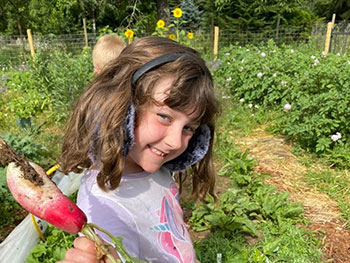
column 328, row 37
column 85, row 33
column 216, row 42
column 31, row 43
column 333, row 20
column 278, row 27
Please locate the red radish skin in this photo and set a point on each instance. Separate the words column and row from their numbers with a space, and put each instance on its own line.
column 35, row 192
column 45, row 200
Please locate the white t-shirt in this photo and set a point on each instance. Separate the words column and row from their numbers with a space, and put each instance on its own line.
column 145, row 211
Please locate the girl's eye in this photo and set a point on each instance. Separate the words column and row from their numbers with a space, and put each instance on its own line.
column 189, row 130
column 164, row 117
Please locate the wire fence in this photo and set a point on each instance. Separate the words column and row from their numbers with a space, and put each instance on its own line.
column 15, row 49
column 340, row 40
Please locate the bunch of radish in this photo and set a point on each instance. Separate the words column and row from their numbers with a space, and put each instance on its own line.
column 36, row 193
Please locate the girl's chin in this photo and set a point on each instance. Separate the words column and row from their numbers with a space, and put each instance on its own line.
column 152, row 169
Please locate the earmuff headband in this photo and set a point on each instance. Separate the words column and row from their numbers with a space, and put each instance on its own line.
column 154, row 63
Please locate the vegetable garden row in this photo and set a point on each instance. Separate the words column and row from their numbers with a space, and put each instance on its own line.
column 302, row 92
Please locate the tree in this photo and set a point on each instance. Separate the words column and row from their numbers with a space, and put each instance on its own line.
column 163, row 11
column 191, row 14
column 326, row 9
column 15, row 15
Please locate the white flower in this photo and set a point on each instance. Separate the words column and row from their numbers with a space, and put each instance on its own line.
column 338, row 54
column 227, row 53
column 313, row 57
column 334, row 138
column 242, row 61
column 316, row 62
column 263, row 54
column 228, row 79
column 241, row 100
column 287, row 107
column 338, row 134
column 292, row 51
column 247, row 49
column 283, row 82
column 250, row 105
column 324, row 53
column 228, row 63
column 259, row 75
column 274, row 75
column 256, row 106
column 241, row 69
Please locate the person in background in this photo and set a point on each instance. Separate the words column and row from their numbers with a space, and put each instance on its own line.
column 107, row 48
column 149, row 115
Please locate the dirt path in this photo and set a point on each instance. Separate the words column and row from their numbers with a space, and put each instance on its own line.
column 274, row 157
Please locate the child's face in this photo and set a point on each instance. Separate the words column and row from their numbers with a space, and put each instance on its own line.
column 161, row 133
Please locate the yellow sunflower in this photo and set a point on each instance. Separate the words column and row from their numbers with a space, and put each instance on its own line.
column 129, row 33
column 190, row 35
column 177, row 12
column 172, row 36
column 160, row 23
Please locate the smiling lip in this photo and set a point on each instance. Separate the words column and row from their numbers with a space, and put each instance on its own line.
column 157, row 152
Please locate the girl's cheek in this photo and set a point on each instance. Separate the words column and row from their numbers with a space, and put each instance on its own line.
column 156, row 128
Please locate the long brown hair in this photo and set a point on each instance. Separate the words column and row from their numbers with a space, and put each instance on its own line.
column 106, row 102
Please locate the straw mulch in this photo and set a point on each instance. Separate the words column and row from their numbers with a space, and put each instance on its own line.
column 274, row 157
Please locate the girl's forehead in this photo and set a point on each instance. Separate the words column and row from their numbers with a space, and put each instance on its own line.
column 161, row 92
column 162, row 88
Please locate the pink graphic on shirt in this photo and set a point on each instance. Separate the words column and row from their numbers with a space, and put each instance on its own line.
column 173, row 236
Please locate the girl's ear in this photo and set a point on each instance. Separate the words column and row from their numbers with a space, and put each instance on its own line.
column 196, row 150
column 97, row 70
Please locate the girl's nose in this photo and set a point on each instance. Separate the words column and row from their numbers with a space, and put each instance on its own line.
column 173, row 139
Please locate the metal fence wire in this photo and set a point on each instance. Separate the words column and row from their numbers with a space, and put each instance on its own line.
column 15, row 48
column 340, row 42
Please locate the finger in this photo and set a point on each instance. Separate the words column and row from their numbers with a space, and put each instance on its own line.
column 77, row 255
column 85, row 244
column 114, row 255
column 113, row 252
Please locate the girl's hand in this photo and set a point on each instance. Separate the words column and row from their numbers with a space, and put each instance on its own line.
column 84, row 251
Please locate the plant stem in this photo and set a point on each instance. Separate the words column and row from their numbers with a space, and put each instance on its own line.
column 89, row 232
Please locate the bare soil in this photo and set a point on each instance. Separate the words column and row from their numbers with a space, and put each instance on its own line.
column 8, row 155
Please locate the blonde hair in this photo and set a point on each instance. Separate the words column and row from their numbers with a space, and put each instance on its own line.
column 103, row 107
column 107, row 48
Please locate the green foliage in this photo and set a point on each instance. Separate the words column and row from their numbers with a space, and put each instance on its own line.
column 54, row 17
column 335, row 184
column 53, row 248
column 26, row 142
column 191, row 14
column 50, row 83
column 251, row 222
column 315, row 85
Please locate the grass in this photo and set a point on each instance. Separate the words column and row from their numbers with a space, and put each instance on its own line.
column 336, row 185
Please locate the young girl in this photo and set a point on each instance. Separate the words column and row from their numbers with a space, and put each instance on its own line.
column 149, row 114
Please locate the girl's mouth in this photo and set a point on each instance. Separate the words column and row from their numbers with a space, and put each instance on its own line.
column 157, row 152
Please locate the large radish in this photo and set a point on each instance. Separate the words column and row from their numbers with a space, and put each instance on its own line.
column 33, row 190
column 55, row 207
